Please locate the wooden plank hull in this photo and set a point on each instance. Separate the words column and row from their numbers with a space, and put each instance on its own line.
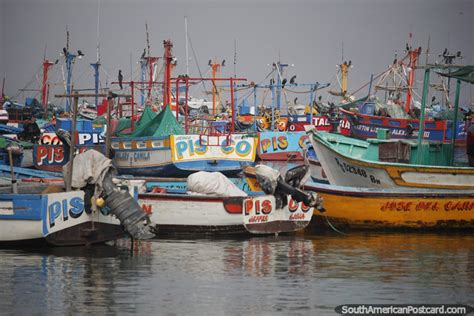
column 58, row 219
column 396, row 208
column 343, row 170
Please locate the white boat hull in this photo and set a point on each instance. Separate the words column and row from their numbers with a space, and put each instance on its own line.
column 53, row 218
column 188, row 214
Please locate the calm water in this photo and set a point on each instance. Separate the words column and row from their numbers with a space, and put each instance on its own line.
column 271, row 275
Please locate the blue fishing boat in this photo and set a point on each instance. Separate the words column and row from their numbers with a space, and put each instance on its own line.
column 160, row 147
column 50, row 154
column 35, row 217
column 45, row 214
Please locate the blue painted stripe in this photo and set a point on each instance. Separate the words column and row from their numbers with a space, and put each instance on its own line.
column 25, row 206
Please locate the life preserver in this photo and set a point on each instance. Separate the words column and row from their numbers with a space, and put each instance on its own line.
column 158, row 190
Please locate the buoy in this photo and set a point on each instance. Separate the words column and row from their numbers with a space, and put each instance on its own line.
column 100, row 202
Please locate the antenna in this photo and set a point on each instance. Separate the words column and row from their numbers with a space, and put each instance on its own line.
column 427, row 51
column 98, row 19
column 235, row 57
column 131, row 67
column 44, row 55
column 67, row 38
column 187, row 52
column 147, row 38
column 342, row 53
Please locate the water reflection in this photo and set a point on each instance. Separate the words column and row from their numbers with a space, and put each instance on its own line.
column 269, row 275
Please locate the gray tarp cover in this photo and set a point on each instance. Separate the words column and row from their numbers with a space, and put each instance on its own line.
column 89, row 167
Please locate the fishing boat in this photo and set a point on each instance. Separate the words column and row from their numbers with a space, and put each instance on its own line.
column 311, row 160
column 394, row 208
column 51, row 154
column 221, row 208
column 159, row 146
column 35, row 217
column 47, row 214
column 193, row 214
column 171, row 184
column 387, row 163
column 369, row 114
column 52, row 157
column 42, row 213
column 281, row 124
column 366, row 126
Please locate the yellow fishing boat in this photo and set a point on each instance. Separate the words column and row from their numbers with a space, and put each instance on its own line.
column 395, row 208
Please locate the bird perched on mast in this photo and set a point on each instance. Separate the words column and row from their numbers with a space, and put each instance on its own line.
column 292, row 79
column 120, row 79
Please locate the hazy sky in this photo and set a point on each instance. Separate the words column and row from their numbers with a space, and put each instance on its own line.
column 308, row 34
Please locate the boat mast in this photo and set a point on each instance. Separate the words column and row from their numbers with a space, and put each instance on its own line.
column 413, row 55
column 344, row 76
column 44, row 85
column 215, row 68
column 235, row 57
column 143, row 62
column 96, row 65
column 70, row 59
column 168, row 59
column 3, row 93
column 279, row 68
column 151, row 63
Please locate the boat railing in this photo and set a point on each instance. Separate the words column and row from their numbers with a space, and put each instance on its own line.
column 218, row 133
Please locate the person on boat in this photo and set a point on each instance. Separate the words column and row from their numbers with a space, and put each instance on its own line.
column 120, row 79
column 31, row 131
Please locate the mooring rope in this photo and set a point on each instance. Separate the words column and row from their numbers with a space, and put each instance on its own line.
column 332, row 226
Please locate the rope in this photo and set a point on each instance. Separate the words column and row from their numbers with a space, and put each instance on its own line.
column 384, row 72
column 33, row 79
column 250, row 92
column 195, row 60
column 332, row 226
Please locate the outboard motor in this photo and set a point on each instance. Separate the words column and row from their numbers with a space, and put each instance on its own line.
column 272, row 182
column 127, row 210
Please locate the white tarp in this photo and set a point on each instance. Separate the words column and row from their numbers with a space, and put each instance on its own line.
column 212, row 183
column 89, row 167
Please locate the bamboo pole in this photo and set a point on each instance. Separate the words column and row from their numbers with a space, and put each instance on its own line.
column 455, row 121
column 110, row 104
column 12, row 172
column 72, row 148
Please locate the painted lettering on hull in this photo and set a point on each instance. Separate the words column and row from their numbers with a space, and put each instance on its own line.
column 361, row 172
column 62, row 210
column 428, row 206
